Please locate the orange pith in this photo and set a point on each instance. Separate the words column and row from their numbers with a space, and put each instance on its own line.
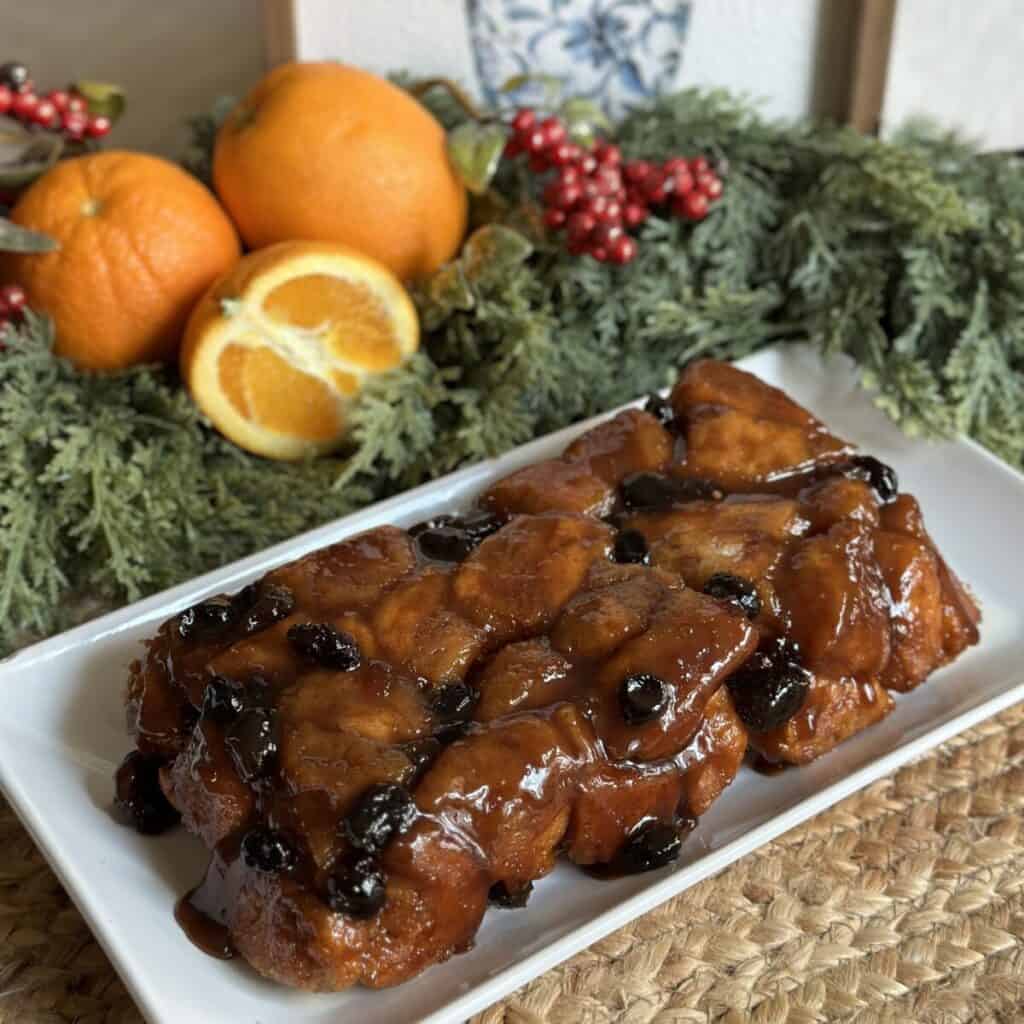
column 318, row 299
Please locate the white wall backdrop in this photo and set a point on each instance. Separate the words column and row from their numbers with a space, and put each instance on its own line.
column 428, row 37
column 960, row 62
column 766, row 48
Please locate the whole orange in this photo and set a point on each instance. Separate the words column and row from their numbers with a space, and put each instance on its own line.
column 325, row 152
column 140, row 241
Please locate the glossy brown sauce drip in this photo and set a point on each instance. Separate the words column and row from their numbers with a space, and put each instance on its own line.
column 203, row 932
column 203, row 912
column 763, row 766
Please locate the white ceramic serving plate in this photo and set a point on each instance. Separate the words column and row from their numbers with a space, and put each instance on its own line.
column 62, row 733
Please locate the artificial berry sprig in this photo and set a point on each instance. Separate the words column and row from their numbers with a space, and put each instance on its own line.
column 12, row 308
column 61, row 110
column 596, row 198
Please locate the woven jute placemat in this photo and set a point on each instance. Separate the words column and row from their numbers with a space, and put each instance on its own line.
column 903, row 903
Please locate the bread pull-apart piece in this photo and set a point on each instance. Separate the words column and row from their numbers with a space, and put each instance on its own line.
column 830, row 500
column 744, row 434
column 616, row 799
column 741, row 452
column 833, row 710
column 911, row 572
column 350, row 575
column 741, row 537
column 838, row 607
column 584, row 478
column 517, row 580
column 650, row 696
column 635, row 441
column 713, row 383
column 834, row 600
column 960, row 612
column 381, row 737
column 328, row 933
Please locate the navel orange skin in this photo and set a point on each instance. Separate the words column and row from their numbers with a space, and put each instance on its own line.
column 140, row 241
column 326, row 152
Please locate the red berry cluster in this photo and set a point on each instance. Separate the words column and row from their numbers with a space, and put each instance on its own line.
column 12, row 307
column 58, row 111
column 596, row 198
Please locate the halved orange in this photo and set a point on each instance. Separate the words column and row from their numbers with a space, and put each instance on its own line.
column 277, row 348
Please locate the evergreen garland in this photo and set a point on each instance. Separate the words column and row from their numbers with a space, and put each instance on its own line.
column 908, row 256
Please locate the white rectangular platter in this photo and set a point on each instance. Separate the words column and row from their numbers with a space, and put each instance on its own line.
column 62, row 733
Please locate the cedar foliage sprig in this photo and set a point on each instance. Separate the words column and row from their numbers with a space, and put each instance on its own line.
column 112, row 486
column 908, row 256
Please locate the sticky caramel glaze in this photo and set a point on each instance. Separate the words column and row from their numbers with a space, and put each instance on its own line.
column 858, row 584
column 625, row 619
column 543, row 627
column 496, row 806
column 203, row 784
column 203, row 931
column 960, row 613
column 165, row 691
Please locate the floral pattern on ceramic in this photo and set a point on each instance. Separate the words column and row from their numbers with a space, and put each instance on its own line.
column 617, row 52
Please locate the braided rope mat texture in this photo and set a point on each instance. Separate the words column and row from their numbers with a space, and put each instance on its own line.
column 904, row 903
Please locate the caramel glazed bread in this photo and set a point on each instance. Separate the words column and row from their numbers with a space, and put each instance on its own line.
column 376, row 739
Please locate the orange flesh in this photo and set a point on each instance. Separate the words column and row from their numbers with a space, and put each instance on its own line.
column 319, row 300
column 345, row 382
column 255, row 379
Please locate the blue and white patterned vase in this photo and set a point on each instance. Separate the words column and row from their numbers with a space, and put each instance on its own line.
column 617, row 52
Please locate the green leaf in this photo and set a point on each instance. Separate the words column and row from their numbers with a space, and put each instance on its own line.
column 475, row 151
column 15, row 238
column 198, row 158
column 102, row 97
column 583, row 120
column 491, row 206
column 494, row 249
column 517, row 82
column 24, row 155
column 443, row 294
column 514, row 83
column 222, row 107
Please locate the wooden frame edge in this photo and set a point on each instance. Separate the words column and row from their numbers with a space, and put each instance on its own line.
column 871, row 63
column 279, row 31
